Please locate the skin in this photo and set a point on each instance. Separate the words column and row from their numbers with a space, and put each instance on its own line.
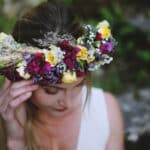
column 50, row 123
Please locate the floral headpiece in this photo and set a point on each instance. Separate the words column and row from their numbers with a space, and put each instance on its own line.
column 64, row 61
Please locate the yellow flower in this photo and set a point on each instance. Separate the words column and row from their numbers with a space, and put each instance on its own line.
column 106, row 32
column 90, row 58
column 69, row 77
column 103, row 28
column 82, row 54
column 2, row 36
column 50, row 58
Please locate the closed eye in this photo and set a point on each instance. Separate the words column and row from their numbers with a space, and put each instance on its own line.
column 51, row 90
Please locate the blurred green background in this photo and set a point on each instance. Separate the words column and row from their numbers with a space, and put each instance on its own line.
column 130, row 24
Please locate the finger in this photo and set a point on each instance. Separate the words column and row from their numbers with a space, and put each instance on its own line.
column 16, row 92
column 20, row 99
column 4, row 101
column 21, row 83
column 20, row 114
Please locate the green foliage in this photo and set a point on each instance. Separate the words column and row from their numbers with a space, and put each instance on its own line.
column 144, row 55
column 1, row 80
column 1, row 2
column 6, row 24
column 68, row 2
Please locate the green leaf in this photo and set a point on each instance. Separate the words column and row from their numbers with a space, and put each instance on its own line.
column 81, row 62
column 117, row 9
column 144, row 54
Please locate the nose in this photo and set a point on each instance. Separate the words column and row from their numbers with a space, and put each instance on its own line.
column 65, row 100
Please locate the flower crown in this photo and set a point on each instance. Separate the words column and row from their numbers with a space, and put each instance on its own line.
column 64, row 61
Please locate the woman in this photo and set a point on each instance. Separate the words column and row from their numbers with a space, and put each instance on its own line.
column 56, row 116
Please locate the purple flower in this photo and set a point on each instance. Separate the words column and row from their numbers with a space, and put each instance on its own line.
column 77, row 49
column 37, row 63
column 33, row 67
column 27, row 57
column 69, row 63
column 46, row 68
column 11, row 73
column 36, row 79
column 51, row 78
column 106, row 48
column 39, row 56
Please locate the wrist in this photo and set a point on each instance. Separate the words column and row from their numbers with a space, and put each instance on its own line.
column 15, row 144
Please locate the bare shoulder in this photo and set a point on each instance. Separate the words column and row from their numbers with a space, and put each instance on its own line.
column 116, row 122
column 114, row 111
column 112, row 103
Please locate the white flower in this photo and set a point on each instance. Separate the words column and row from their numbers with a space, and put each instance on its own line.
column 3, row 36
column 107, row 59
column 103, row 24
column 54, row 56
column 21, row 70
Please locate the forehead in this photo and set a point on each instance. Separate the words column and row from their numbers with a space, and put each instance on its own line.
column 68, row 85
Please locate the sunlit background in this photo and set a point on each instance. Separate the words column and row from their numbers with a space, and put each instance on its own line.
column 128, row 76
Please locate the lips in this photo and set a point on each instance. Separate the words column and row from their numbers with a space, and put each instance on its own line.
column 61, row 109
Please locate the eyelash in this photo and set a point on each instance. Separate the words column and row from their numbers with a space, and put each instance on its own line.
column 48, row 91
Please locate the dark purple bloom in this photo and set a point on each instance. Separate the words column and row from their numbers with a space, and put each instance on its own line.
column 39, row 56
column 70, row 55
column 98, row 36
column 46, row 68
column 36, row 79
column 11, row 73
column 69, row 62
column 106, row 48
column 64, row 45
column 33, row 67
column 51, row 78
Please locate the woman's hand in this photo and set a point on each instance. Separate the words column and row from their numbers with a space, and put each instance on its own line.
column 12, row 106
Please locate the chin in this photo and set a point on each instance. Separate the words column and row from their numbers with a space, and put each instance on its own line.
column 57, row 113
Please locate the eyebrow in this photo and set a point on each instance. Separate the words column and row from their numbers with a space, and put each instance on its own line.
column 82, row 82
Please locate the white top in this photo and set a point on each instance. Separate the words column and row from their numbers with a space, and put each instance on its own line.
column 94, row 129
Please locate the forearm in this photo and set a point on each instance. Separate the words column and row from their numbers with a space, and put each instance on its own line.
column 16, row 144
